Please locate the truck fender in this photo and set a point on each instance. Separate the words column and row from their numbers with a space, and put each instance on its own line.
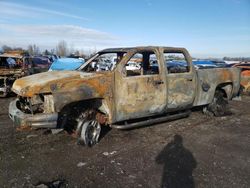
column 73, row 109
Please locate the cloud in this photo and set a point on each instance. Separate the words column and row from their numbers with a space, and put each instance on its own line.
column 13, row 10
column 47, row 36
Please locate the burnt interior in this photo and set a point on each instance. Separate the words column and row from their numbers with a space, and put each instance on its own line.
column 10, row 62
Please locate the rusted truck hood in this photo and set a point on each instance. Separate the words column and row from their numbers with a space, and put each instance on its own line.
column 55, row 81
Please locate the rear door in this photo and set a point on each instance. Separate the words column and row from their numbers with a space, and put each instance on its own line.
column 181, row 79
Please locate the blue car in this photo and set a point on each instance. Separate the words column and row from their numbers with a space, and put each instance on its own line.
column 204, row 64
column 66, row 64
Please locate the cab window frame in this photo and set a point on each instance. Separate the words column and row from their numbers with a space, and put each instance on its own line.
column 130, row 56
column 185, row 55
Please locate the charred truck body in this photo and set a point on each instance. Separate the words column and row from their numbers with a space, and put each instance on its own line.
column 17, row 64
column 13, row 65
column 83, row 101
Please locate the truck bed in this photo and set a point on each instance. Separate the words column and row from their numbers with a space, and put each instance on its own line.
column 209, row 79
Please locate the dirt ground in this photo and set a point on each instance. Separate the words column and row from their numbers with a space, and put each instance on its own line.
column 197, row 151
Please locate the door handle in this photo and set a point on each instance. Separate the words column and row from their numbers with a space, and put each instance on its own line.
column 158, row 82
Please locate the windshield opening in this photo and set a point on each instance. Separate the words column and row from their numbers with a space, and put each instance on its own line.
column 104, row 62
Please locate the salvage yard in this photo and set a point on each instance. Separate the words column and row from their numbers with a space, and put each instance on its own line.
column 197, row 151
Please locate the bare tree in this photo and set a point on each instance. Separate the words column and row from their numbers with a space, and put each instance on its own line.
column 33, row 49
column 77, row 53
column 52, row 51
column 71, row 49
column 6, row 48
column 30, row 50
column 62, row 48
column 46, row 52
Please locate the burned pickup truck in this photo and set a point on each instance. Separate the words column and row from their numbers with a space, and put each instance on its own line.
column 13, row 65
column 85, row 100
column 17, row 64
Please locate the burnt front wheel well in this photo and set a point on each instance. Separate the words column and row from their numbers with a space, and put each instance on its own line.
column 95, row 103
column 68, row 116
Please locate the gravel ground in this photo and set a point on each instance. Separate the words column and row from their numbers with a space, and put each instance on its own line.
column 197, row 151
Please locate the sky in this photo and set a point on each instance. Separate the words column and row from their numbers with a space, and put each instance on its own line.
column 207, row 28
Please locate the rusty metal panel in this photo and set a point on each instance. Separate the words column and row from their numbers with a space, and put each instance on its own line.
column 139, row 96
column 245, row 80
column 66, row 87
column 181, row 90
column 181, row 85
column 210, row 79
column 245, row 76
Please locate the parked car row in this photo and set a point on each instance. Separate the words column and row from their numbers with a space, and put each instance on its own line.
column 17, row 64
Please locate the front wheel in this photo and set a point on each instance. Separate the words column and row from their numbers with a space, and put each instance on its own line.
column 88, row 129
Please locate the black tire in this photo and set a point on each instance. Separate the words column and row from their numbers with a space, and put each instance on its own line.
column 218, row 106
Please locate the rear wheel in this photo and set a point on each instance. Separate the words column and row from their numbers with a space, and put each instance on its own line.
column 218, row 107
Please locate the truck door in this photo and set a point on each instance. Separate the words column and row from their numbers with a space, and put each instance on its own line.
column 140, row 86
column 181, row 79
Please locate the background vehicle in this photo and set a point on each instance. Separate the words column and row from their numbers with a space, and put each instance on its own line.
column 13, row 65
column 17, row 64
column 245, row 76
column 66, row 64
column 39, row 64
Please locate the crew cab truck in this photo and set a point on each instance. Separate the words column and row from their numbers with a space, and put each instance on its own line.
column 87, row 99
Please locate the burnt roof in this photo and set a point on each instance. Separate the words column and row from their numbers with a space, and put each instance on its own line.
column 126, row 49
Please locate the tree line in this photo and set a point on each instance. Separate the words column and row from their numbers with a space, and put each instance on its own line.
column 61, row 50
column 236, row 59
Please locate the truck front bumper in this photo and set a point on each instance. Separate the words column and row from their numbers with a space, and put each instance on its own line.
column 37, row 121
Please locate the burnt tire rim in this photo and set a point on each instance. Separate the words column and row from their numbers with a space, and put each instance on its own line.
column 90, row 132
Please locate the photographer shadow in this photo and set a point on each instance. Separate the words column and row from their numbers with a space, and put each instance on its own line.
column 179, row 164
